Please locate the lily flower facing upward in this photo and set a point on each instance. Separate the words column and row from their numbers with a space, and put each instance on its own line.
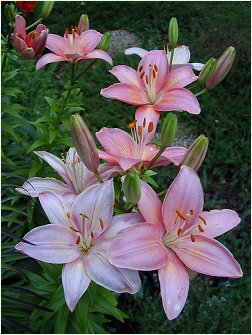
column 75, row 174
column 126, row 151
column 32, row 44
column 73, row 47
column 153, row 85
column 177, row 235
column 181, row 56
column 79, row 237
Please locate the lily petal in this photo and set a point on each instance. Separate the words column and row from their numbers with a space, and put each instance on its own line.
column 184, row 195
column 116, row 142
column 106, row 157
column 101, row 271
column 75, row 282
column 147, row 114
column 56, row 44
column 171, row 155
column 217, row 222
column 181, row 55
column 136, row 51
column 145, row 251
column 174, row 284
column 178, row 99
column 207, row 256
column 128, row 93
column 97, row 204
column 50, row 243
column 180, row 77
column 197, row 66
column 49, row 58
column 19, row 29
column 34, row 186
column 127, row 163
column 88, row 40
column 150, row 206
column 125, row 74
column 97, row 54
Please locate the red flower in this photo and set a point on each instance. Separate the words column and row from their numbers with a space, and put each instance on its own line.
column 27, row 6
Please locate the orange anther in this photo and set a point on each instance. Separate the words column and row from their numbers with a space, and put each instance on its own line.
column 191, row 211
column 101, row 223
column 154, row 73
column 92, row 234
column 155, row 68
column 147, row 80
column 132, row 124
column 142, row 75
column 68, row 215
column 78, row 240
column 150, row 127
column 179, row 231
column 74, row 229
column 144, row 122
column 192, row 238
column 180, row 215
column 140, row 131
column 200, row 228
column 202, row 219
column 140, row 69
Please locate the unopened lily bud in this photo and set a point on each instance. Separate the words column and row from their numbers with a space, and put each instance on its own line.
column 207, row 70
column 132, row 187
column 84, row 142
column 83, row 23
column 47, row 8
column 223, row 66
column 105, row 42
column 173, row 32
column 196, row 153
column 10, row 12
column 169, row 129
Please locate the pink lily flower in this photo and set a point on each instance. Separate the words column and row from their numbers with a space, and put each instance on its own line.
column 181, row 56
column 177, row 235
column 153, row 85
column 32, row 44
column 73, row 171
column 73, row 47
column 79, row 237
column 126, row 151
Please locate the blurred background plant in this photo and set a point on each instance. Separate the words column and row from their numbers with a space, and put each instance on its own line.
column 31, row 293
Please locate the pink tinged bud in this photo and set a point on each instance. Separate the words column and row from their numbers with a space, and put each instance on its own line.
column 47, row 8
column 132, row 187
column 223, row 66
column 196, row 153
column 84, row 142
column 83, row 23
column 207, row 71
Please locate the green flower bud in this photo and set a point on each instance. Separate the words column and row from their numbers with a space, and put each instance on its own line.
column 105, row 42
column 10, row 12
column 84, row 142
column 132, row 187
column 47, row 8
column 207, row 70
column 196, row 153
column 83, row 24
column 173, row 32
column 169, row 129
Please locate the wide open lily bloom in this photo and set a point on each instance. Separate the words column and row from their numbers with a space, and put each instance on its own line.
column 153, row 85
column 181, row 56
column 32, row 44
column 73, row 47
column 126, row 151
column 73, row 171
column 177, row 235
column 79, row 237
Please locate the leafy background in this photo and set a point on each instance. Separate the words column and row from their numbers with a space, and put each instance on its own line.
column 31, row 293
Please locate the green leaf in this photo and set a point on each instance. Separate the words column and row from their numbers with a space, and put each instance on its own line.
column 11, row 91
column 9, row 75
column 52, row 135
column 36, row 144
column 34, row 169
column 61, row 320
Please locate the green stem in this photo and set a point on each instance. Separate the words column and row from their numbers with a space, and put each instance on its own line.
column 171, row 59
column 72, row 81
column 34, row 23
column 201, row 92
column 162, row 193
column 87, row 68
column 99, row 178
column 8, row 47
column 194, row 85
column 119, row 205
column 154, row 159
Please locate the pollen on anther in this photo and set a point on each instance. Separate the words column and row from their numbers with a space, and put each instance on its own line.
column 202, row 219
column 154, row 73
column 191, row 211
column 147, row 80
column 179, row 231
column 155, row 68
column 142, row 75
column 68, row 215
column 78, row 240
column 101, row 223
column 192, row 238
column 74, row 229
column 132, row 124
column 144, row 122
column 200, row 228
column 180, row 215
column 140, row 131
column 92, row 234
column 150, row 127
column 140, row 69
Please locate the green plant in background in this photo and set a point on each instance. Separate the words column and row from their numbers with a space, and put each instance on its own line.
column 45, row 126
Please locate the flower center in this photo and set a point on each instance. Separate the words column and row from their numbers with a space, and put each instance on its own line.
column 149, row 80
column 137, row 133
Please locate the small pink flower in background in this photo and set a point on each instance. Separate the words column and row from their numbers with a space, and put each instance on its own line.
column 126, row 151
column 78, row 237
column 76, row 176
column 153, row 85
column 181, row 56
column 177, row 235
column 32, row 44
column 73, row 47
